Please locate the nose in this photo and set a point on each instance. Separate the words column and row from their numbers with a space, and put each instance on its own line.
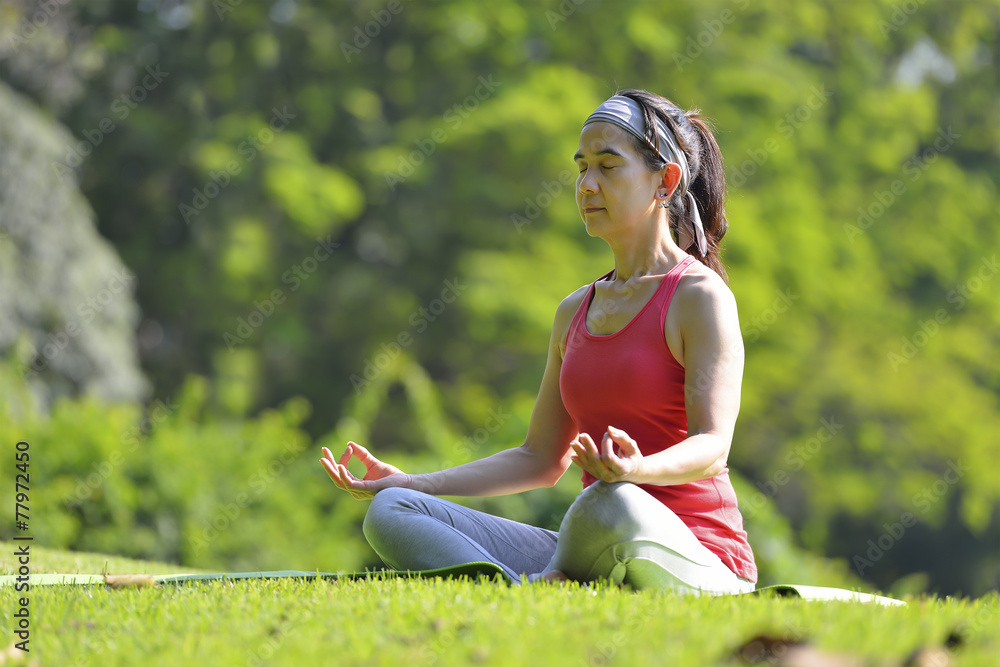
column 587, row 183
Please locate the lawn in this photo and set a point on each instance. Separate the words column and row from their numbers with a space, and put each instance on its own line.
column 462, row 622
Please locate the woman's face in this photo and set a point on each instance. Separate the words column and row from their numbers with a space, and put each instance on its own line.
column 615, row 188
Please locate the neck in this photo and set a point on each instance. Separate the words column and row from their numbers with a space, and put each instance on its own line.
column 645, row 250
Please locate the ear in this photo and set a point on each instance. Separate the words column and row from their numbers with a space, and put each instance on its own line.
column 670, row 178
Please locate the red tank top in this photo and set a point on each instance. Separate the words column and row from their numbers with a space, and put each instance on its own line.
column 630, row 380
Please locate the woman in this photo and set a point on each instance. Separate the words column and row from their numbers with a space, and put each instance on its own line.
column 641, row 391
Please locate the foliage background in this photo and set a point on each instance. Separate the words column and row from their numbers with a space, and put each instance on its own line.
column 382, row 262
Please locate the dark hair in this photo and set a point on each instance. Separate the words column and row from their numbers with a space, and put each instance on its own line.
column 708, row 177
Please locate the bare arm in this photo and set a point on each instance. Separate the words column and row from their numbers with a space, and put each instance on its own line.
column 713, row 376
column 540, row 461
column 713, row 372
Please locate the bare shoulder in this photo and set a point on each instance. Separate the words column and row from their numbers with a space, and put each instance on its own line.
column 705, row 319
column 564, row 315
column 571, row 303
column 702, row 292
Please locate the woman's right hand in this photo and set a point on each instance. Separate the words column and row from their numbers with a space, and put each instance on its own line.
column 378, row 475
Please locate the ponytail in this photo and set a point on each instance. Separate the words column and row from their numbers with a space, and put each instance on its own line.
column 708, row 176
column 709, row 190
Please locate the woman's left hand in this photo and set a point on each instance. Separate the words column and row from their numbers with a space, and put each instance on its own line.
column 617, row 459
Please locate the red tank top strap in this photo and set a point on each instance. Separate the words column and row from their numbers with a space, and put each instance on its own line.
column 672, row 280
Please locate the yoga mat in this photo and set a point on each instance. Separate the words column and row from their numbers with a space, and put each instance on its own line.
column 824, row 593
column 471, row 570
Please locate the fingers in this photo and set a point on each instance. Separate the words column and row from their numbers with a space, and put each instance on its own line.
column 363, row 454
column 328, row 461
column 337, row 472
column 588, row 457
column 332, row 471
column 609, row 461
column 607, row 448
column 580, row 455
column 342, row 477
column 608, row 457
column 593, row 452
column 627, row 445
column 346, row 475
column 345, row 458
column 353, row 449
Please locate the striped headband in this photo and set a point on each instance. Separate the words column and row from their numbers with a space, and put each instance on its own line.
column 627, row 114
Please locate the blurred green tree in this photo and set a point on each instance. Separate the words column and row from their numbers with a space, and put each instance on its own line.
column 310, row 193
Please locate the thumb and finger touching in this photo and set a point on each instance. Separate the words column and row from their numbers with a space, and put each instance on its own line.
column 624, row 442
column 353, row 449
column 613, row 454
column 337, row 470
column 363, row 454
column 344, row 479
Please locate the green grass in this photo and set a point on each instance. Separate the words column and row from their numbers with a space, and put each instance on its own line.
column 453, row 622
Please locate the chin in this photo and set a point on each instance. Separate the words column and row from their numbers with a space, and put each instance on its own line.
column 596, row 231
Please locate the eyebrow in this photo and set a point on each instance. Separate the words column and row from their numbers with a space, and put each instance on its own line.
column 605, row 151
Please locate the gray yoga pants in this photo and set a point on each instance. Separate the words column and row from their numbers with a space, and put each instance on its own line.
column 616, row 532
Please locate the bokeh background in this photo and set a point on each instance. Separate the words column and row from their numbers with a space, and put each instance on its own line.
column 233, row 232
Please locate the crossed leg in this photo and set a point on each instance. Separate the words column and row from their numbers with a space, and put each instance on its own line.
column 616, row 532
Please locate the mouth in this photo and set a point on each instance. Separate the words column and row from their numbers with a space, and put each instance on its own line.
column 592, row 209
